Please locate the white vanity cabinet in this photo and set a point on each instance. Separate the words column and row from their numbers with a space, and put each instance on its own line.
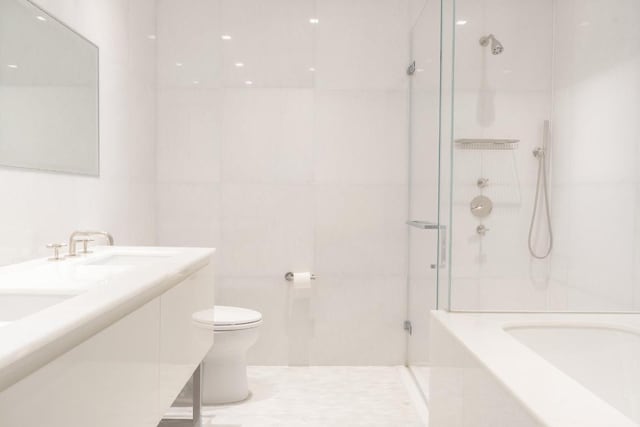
column 115, row 355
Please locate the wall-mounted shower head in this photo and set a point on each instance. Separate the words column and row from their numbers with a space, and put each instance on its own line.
column 496, row 46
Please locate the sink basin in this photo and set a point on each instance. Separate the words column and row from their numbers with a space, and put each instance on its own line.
column 17, row 306
column 130, row 260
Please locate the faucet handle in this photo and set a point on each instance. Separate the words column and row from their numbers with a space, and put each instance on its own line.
column 85, row 245
column 482, row 230
column 56, row 251
column 482, row 182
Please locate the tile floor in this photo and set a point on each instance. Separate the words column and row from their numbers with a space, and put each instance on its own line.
column 323, row 396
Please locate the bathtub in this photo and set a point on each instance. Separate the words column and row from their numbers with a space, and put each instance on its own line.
column 534, row 369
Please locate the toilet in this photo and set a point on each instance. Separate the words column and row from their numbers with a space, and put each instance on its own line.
column 224, row 375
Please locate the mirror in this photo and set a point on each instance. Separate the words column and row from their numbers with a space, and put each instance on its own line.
column 48, row 93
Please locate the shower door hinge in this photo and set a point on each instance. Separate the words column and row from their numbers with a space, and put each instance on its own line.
column 411, row 69
column 408, row 327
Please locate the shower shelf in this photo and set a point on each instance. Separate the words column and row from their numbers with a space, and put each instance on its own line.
column 487, row 144
column 425, row 225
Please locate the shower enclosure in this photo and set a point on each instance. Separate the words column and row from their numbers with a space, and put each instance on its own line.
column 561, row 79
column 540, row 195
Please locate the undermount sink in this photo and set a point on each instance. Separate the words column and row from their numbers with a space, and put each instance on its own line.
column 16, row 306
column 91, row 333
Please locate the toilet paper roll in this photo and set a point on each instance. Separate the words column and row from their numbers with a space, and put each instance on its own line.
column 302, row 280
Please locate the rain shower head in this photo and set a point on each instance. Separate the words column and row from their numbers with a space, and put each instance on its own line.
column 496, row 46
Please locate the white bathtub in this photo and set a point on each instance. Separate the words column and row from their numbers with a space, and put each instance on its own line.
column 534, row 369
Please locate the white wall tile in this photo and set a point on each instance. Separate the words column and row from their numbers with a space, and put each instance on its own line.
column 189, row 215
column 601, row 258
column 361, row 137
column 362, row 44
column 267, row 230
column 596, row 58
column 273, row 39
column 189, row 35
column 525, row 63
column 310, row 168
column 268, row 136
column 361, row 230
column 189, row 135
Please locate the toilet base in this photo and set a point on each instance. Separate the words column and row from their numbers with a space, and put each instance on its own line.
column 224, row 376
column 224, row 382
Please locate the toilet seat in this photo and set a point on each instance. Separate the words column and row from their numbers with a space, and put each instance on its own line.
column 226, row 318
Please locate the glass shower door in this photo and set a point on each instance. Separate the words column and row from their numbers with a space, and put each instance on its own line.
column 426, row 256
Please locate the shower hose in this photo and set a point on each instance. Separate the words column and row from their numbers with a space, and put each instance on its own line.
column 541, row 184
column 539, row 153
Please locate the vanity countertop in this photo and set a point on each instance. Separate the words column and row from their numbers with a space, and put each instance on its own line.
column 52, row 306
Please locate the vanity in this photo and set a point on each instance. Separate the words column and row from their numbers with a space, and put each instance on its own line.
column 101, row 339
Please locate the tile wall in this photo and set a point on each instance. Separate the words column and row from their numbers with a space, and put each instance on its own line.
column 304, row 169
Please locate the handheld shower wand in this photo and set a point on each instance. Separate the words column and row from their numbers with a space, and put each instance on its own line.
column 540, row 154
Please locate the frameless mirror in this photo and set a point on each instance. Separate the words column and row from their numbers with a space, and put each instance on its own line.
column 48, row 93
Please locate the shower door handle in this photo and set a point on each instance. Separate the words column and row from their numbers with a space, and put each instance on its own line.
column 442, row 235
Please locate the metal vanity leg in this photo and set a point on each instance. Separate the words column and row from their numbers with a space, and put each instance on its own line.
column 195, row 421
column 197, row 396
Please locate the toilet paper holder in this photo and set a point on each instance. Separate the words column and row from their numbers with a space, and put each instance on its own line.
column 289, row 276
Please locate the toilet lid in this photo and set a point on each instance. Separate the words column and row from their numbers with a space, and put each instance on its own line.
column 223, row 317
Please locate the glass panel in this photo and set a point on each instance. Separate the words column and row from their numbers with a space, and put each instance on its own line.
column 48, row 93
column 562, row 78
column 424, row 251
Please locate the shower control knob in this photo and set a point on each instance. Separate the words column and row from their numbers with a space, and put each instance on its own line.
column 481, row 206
column 482, row 230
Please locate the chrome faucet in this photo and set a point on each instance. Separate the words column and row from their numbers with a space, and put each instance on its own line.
column 73, row 239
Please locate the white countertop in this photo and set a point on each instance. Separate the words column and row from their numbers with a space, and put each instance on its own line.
column 99, row 294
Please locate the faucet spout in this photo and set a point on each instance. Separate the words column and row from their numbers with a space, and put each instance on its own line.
column 86, row 233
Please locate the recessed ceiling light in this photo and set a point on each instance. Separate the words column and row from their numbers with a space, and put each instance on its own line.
column 225, row 37
column 239, row 64
column 419, row 70
column 248, row 82
column 196, row 82
column 41, row 18
column 314, row 20
column 461, row 22
column 14, row 66
column 312, row 69
column 151, row 37
column 507, row 71
column 179, row 64
column 585, row 23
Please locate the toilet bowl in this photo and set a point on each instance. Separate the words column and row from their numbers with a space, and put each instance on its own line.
column 224, row 375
